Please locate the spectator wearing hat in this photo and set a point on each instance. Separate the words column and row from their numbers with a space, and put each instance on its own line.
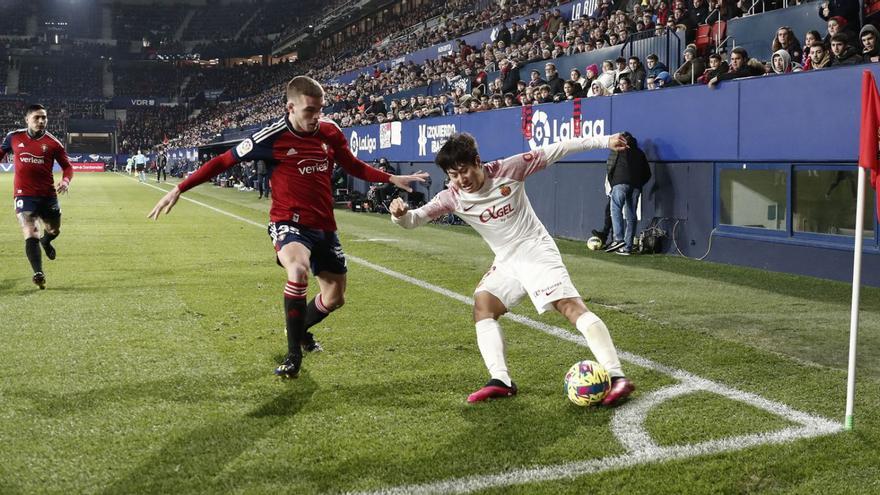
column 786, row 40
column 834, row 26
column 554, row 81
column 842, row 53
column 869, row 37
column 848, row 10
column 597, row 89
column 692, row 68
column 535, row 80
column 662, row 80
column 590, row 74
column 781, row 63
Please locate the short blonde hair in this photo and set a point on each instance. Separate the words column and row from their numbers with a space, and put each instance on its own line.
column 304, row 85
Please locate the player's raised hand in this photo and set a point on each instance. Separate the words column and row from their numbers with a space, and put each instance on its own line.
column 403, row 181
column 618, row 142
column 398, row 207
column 165, row 204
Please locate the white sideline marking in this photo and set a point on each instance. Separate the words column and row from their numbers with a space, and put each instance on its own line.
column 627, row 424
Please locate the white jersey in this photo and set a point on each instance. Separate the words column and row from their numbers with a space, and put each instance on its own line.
column 500, row 211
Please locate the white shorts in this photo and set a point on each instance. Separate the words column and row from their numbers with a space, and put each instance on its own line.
column 535, row 270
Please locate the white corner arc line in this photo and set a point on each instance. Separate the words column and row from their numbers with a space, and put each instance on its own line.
column 627, row 423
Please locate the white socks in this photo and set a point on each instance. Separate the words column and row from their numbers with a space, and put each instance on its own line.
column 491, row 344
column 599, row 341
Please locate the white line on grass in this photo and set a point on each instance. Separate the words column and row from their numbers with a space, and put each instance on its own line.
column 627, row 423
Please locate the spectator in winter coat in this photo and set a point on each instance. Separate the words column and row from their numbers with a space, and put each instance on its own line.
column 509, row 76
column 636, row 73
column 717, row 66
column 654, row 66
column 870, row 49
column 692, row 68
column 781, row 63
column 820, row 57
column 739, row 68
column 844, row 9
column 809, row 39
column 554, row 81
column 841, row 51
column 536, row 81
column 628, row 172
column 608, row 75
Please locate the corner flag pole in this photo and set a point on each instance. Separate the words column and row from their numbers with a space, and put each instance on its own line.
column 854, row 310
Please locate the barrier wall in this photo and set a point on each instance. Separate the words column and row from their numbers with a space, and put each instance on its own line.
column 686, row 132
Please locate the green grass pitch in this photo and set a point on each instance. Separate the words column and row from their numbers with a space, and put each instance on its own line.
column 146, row 365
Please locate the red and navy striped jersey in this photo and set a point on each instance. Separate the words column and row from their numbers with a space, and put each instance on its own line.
column 300, row 167
column 34, row 159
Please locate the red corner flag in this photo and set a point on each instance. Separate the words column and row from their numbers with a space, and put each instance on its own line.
column 868, row 137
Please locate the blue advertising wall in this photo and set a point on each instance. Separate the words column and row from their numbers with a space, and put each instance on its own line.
column 810, row 117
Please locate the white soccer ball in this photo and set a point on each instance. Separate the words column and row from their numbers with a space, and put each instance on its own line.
column 587, row 383
column 594, row 243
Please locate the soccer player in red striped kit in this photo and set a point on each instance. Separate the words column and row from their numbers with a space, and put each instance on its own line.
column 36, row 197
column 300, row 150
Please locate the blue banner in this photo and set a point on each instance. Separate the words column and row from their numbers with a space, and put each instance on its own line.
column 679, row 124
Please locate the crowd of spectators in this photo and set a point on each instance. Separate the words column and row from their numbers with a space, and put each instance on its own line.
column 146, row 127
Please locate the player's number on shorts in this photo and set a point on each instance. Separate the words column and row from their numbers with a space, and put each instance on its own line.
column 19, row 203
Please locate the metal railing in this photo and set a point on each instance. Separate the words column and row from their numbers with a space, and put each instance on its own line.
column 643, row 43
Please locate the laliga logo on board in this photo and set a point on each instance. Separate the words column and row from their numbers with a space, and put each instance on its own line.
column 546, row 131
column 436, row 134
column 365, row 143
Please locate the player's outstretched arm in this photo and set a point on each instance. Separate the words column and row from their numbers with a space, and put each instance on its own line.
column 165, row 204
column 404, row 181
column 398, row 208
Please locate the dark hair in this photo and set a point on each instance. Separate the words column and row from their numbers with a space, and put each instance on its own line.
column 741, row 52
column 653, row 57
column 715, row 56
column 841, row 38
column 459, row 150
column 33, row 108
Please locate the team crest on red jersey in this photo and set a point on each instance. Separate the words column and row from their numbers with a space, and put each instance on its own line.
column 505, row 190
column 44, row 148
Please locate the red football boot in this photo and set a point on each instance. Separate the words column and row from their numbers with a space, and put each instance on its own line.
column 495, row 389
column 621, row 388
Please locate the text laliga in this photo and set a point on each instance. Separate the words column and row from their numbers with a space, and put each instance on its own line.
column 493, row 213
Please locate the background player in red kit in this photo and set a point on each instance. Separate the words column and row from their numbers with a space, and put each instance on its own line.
column 300, row 150
column 36, row 197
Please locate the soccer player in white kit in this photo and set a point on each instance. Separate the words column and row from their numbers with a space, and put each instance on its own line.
column 492, row 199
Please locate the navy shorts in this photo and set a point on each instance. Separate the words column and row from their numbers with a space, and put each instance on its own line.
column 45, row 207
column 327, row 255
